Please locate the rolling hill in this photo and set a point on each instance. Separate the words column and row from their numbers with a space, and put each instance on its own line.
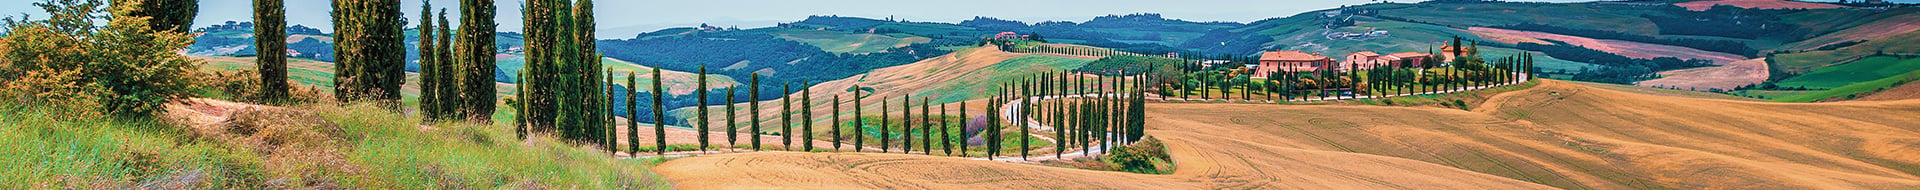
column 1557, row 134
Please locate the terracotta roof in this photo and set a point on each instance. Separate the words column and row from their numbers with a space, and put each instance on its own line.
column 1365, row 53
column 1291, row 56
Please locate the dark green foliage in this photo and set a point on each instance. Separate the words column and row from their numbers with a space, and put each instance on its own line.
column 702, row 93
column 753, row 110
column 540, row 46
column 836, row 122
column 446, row 84
column 633, row 125
column 1143, row 157
column 177, row 15
column 806, row 117
column 884, row 134
column 659, row 114
column 270, row 23
column 430, row 73
column 472, row 65
column 859, row 125
column 906, row 124
column 370, row 53
column 963, row 128
column 926, row 126
column 946, row 136
column 733, row 130
column 786, row 116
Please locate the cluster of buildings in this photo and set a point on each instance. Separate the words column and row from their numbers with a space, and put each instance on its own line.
column 1296, row 61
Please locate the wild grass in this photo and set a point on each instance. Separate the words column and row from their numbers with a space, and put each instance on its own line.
column 381, row 150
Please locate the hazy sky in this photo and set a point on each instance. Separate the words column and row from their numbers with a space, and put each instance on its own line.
column 624, row 18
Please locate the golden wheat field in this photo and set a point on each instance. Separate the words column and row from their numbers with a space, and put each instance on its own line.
column 1555, row 135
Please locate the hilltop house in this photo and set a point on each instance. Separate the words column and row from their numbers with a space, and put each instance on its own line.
column 1290, row 61
column 1006, row 35
column 1362, row 59
column 1407, row 59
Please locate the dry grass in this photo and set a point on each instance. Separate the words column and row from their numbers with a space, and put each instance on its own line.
column 1723, row 77
column 1556, row 134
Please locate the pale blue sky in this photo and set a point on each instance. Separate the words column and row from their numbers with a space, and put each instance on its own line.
column 624, row 18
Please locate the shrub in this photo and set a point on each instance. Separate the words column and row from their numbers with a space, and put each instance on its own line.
column 1147, row 156
column 126, row 67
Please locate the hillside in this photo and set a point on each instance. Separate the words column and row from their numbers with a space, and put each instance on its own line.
column 965, row 75
column 1556, row 134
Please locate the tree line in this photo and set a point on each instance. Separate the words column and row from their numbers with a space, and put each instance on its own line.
column 1434, row 74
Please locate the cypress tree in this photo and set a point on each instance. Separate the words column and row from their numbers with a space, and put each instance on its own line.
column 926, row 126
column 1025, row 132
column 836, row 122
column 520, row 105
column 884, row 145
column 443, row 61
column 659, row 114
column 270, row 34
column 963, row 128
column 906, row 124
column 430, row 73
column 859, row 124
column 946, row 136
column 753, row 107
column 701, row 91
column 806, row 116
column 538, row 18
column 608, row 129
column 370, row 51
column 474, row 55
column 633, row 114
column 733, row 138
column 174, row 15
column 786, row 116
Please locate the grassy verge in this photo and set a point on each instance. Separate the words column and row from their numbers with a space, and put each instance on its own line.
column 355, row 147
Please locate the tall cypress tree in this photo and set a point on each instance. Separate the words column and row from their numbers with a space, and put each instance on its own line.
column 473, row 59
column 836, row 122
column 884, row 134
column 633, row 114
column 786, row 116
column 963, row 128
column 607, row 130
column 701, row 92
column 753, row 107
column 946, row 136
column 270, row 34
column 1025, row 134
column 370, row 51
column 859, row 126
column 443, row 61
column 659, row 114
column 430, row 73
column 732, row 126
column 173, row 15
column 906, row 124
column 538, row 18
column 806, row 116
column 926, row 126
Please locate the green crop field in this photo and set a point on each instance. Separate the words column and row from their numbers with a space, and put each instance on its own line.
column 1868, row 69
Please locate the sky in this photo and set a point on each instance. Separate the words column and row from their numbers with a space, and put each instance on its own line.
column 625, row 18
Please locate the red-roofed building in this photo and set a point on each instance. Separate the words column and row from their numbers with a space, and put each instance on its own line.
column 1363, row 59
column 1006, row 35
column 1407, row 59
column 1290, row 61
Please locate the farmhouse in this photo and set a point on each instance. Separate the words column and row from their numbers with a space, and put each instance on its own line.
column 1407, row 59
column 1006, row 35
column 1290, row 61
column 1362, row 59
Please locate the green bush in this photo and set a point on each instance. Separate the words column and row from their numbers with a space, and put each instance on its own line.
column 1148, row 156
column 126, row 67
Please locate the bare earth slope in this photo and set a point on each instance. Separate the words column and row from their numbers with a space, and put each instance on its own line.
column 1558, row 134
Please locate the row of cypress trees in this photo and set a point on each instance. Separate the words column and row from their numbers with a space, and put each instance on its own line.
column 563, row 77
column 1398, row 78
column 457, row 71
